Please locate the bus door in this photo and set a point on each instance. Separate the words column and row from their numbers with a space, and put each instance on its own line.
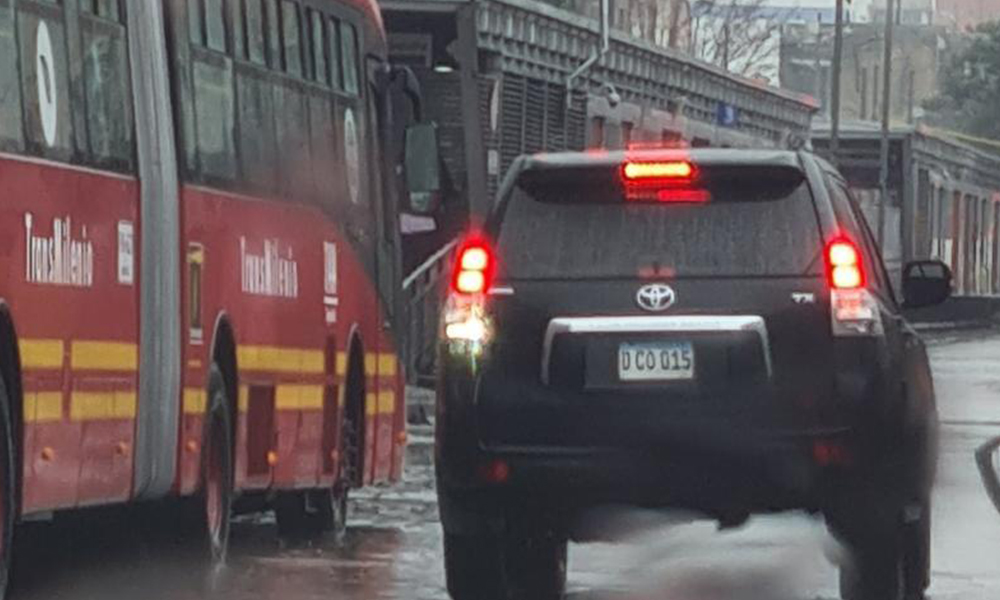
column 388, row 276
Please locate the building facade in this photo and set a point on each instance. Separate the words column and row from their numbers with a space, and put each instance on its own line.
column 664, row 23
column 919, row 54
column 963, row 15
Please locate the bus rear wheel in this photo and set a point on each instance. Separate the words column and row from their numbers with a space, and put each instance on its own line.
column 216, row 495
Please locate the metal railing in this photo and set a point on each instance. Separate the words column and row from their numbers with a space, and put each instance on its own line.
column 424, row 292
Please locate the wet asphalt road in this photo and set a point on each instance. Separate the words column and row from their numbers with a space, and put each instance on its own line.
column 392, row 549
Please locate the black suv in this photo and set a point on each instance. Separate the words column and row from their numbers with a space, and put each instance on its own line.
column 711, row 330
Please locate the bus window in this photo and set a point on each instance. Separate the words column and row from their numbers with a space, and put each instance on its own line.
column 194, row 22
column 236, row 25
column 256, row 52
column 106, row 90
column 107, row 9
column 273, row 34
column 291, row 37
column 215, row 25
column 319, row 71
column 349, row 47
column 256, row 132
column 294, row 166
column 336, row 72
column 10, row 108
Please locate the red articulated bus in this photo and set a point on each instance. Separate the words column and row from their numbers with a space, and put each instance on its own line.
column 200, row 264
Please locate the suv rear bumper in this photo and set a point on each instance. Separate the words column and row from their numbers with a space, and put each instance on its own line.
column 781, row 475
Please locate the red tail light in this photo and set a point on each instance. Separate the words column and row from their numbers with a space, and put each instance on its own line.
column 844, row 265
column 474, row 268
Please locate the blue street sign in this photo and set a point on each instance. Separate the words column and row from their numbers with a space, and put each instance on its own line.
column 726, row 115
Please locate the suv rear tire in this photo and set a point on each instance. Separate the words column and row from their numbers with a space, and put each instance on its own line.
column 877, row 538
column 505, row 567
column 874, row 573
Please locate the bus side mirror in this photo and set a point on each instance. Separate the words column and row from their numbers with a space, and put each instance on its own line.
column 422, row 164
column 926, row 283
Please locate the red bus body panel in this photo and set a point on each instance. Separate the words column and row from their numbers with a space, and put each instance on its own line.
column 79, row 402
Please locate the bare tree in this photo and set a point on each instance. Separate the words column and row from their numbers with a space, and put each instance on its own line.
column 742, row 36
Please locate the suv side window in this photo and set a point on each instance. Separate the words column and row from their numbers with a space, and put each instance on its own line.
column 853, row 220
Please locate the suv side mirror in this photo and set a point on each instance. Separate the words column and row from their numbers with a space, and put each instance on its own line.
column 423, row 168
column 926, row 283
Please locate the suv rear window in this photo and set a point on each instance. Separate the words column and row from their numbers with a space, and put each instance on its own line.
column 561, row 225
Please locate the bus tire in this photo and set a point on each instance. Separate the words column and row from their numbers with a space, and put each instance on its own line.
column 216, row 489
column 8, row 496
column 310, row 513
column 352, row 430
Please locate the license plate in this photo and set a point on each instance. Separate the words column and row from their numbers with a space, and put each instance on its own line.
column 662, row 361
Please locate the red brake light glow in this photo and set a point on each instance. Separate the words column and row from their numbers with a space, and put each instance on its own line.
column 675, row 170
column 662, row 181
column 475, row 268
column 844, row 264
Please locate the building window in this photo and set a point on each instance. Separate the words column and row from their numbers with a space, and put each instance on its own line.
column 597, row 126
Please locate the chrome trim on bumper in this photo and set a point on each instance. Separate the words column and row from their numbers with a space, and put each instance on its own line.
column 657, row 324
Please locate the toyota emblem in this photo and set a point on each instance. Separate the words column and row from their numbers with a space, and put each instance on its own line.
column 655, row 297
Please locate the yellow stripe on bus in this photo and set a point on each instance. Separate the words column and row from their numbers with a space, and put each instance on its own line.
column 278, row 359
column 86, row 355
column 243, row 404
column 41, row 353
column 96, row 406
column 194, row 401
column 43, row 407
column 383, row 364
column 298, row 397
column 387, row 365
column 341, row 364
column 386, row 402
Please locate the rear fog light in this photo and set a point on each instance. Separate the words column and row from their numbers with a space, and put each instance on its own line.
column 831, row 454
column 495, row 471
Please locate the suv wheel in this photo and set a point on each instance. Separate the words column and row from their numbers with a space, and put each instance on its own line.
column 511, row 566
column 875, row 573
column 875, row 538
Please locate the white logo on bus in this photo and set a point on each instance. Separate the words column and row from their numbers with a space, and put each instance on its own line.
column 268, row 273
column 352, row 155
column 330, row 300
column 58, row 259
column 48, row 103
column 126, row 253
